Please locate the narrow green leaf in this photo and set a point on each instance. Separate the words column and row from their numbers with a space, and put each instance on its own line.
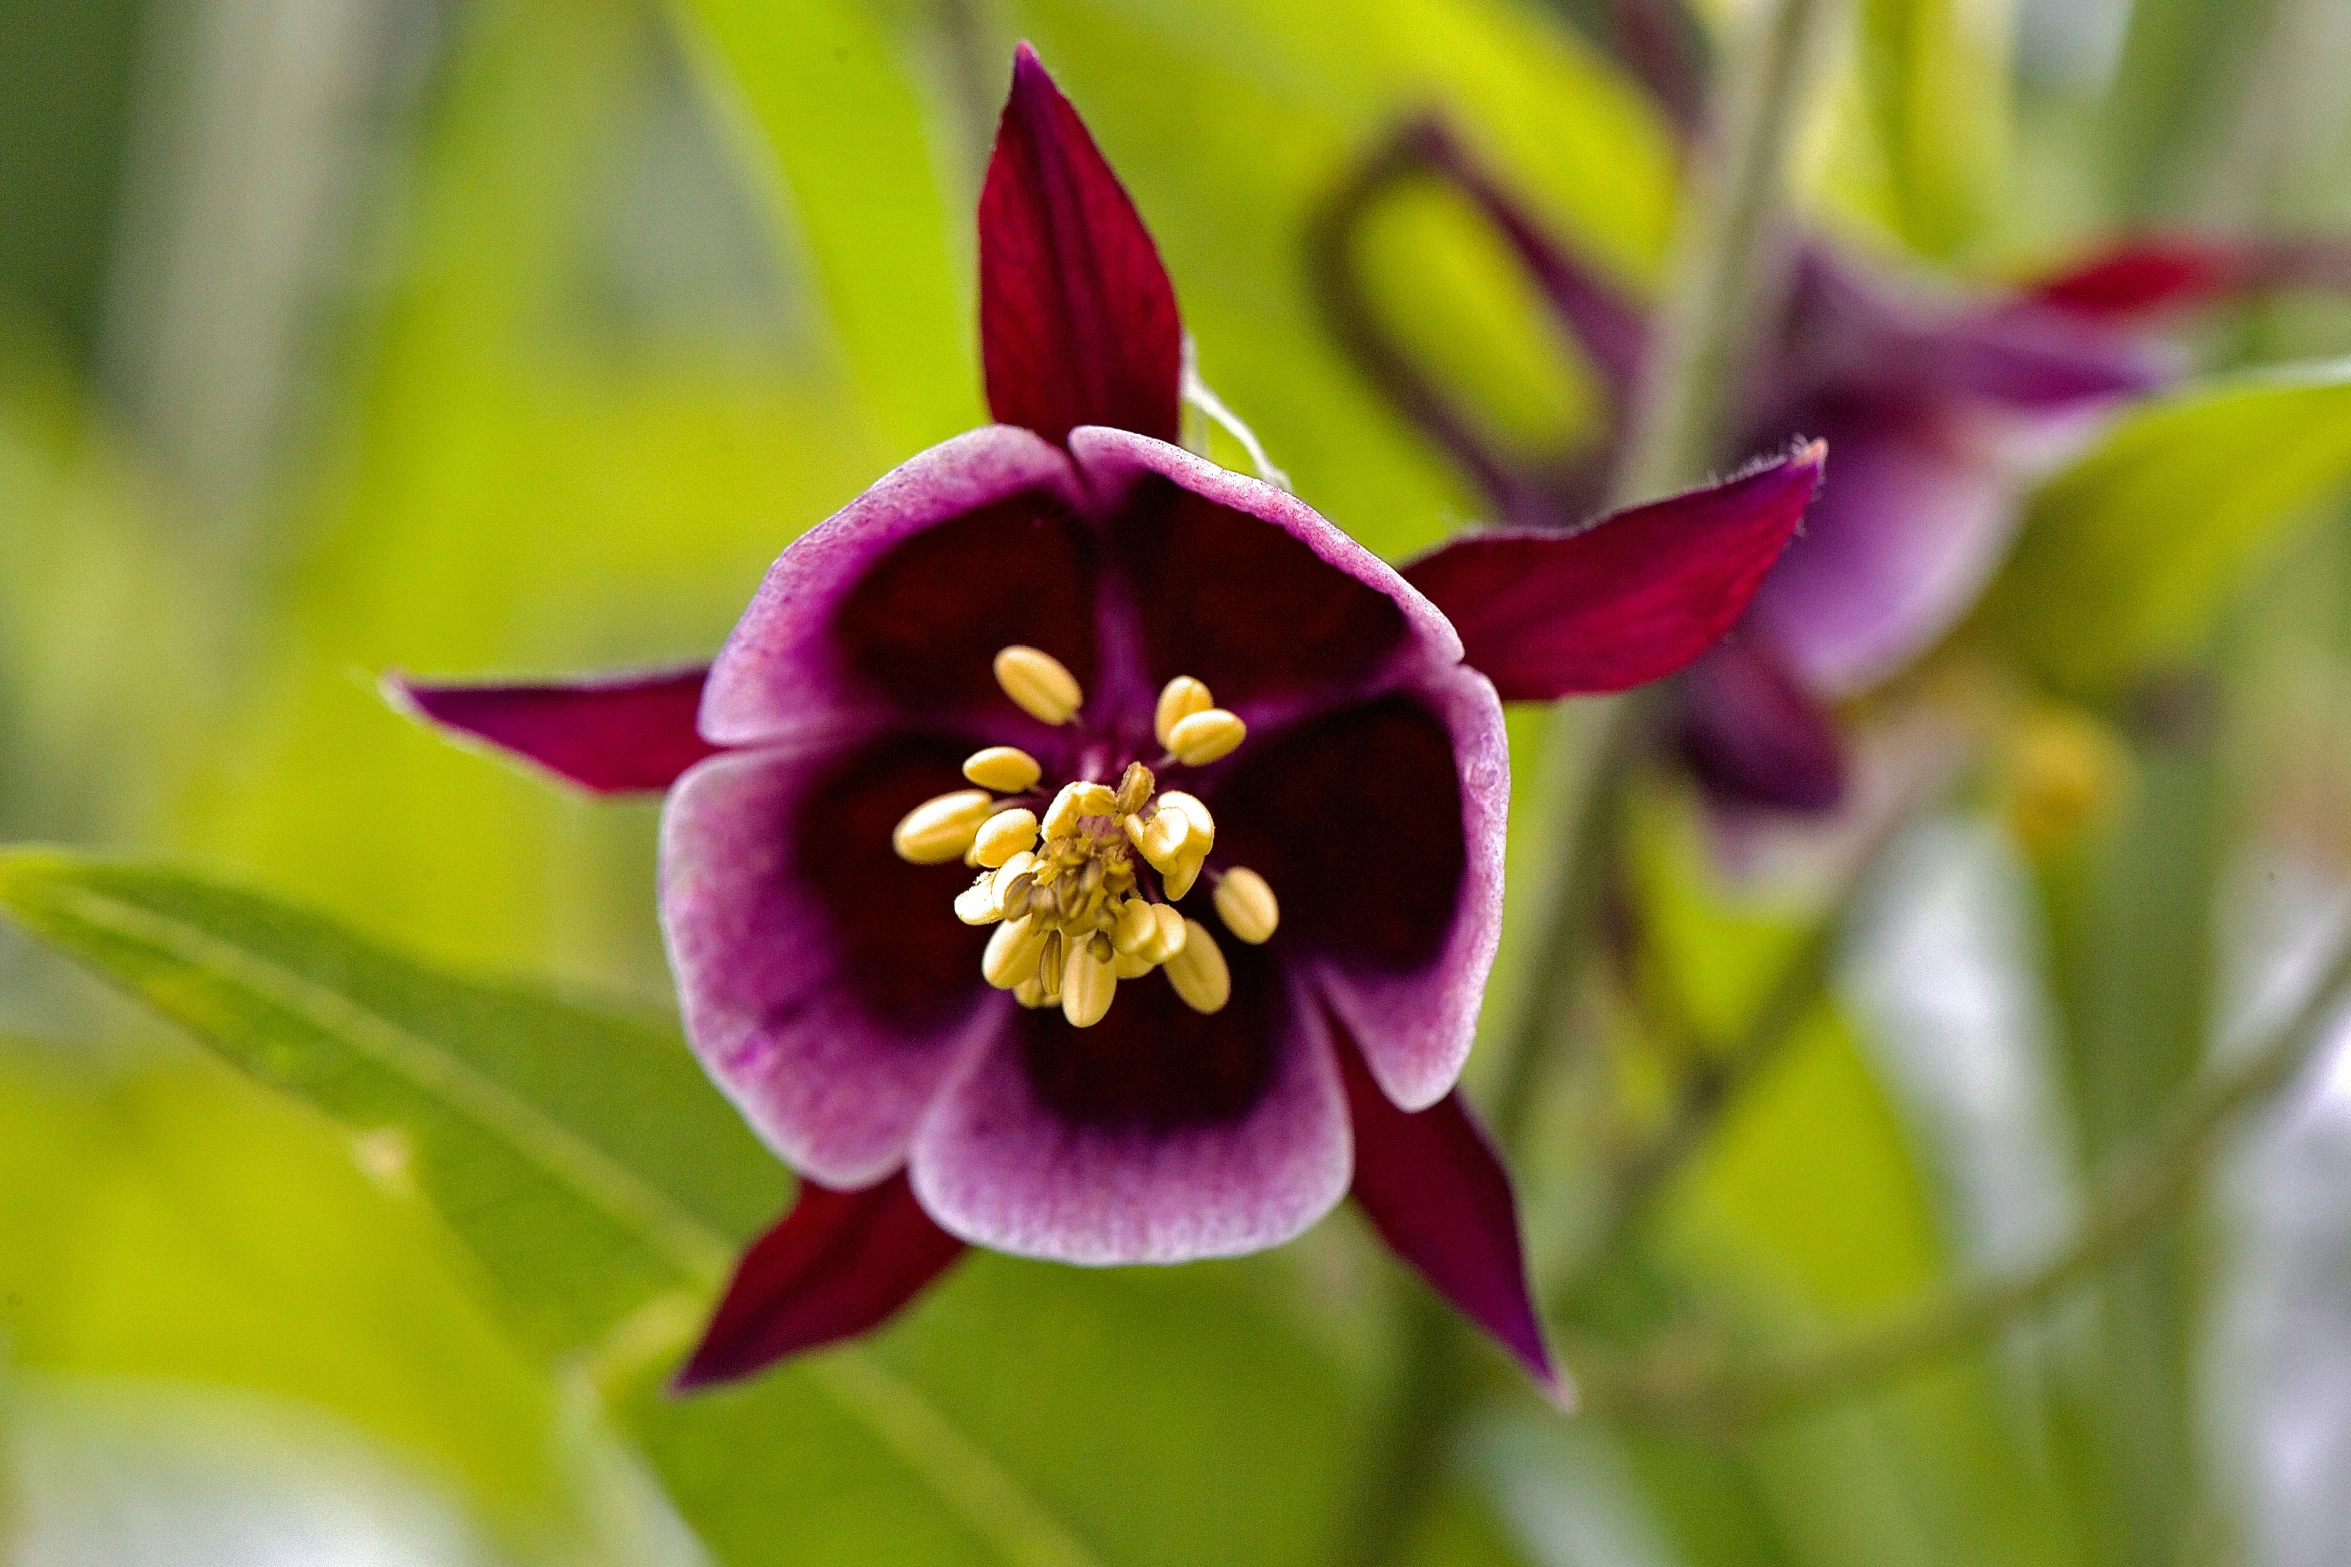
column 1934, row 74
column 2128, row 557
column 604, row 1185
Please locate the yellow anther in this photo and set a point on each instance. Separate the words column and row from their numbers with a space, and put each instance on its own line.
column 1203, row 825
column 1005, row 883
column 1131, row 965
column 1178, row 878
column 1247, row 905
column 1004, row 835
column 1012, row 952
column 1087, row 988
column 977, row 905
column 1007, row 769
column 1132, row 928
column 942, row 828
column 1206, row 737
column 1030, row 992
column 1165, row 837
column 1134, row 787
column 1171, row 938
column 1179, row 699
column 1198, row 972
column 1039, row 684
column 1076, row 800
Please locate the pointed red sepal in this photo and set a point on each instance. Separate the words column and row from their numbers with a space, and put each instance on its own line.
column 1630, row 599
column 1433, row 1186
column 835, row 1266
column 624, row 735
column 2153, row 274
column 1078, row 320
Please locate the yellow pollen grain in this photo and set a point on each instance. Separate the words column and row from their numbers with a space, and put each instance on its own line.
column 1012, row 952
column 1004, row 835
column 1179, row 699
column 942, row 828
column 977, row 905
column 1165, row 837
column 1007, row 769
column 1203, row 825
column 1247, row 905
column 1133, row 929
column 1198, row 972
column 1087, row 988
column 1171, row 937
column 1178, row 879
column 1206, row 737
column 1039, row 684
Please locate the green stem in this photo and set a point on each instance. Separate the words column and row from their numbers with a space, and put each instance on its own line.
column 2150, row 1189
column 1725, row 271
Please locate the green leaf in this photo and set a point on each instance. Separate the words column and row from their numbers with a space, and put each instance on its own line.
column 1934, row 77
column 2128, row 558
column 604, row 1184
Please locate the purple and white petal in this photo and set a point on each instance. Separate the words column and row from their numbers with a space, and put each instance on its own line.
column 898, row 602
column 1380, row 828
column 824, row 983
column 616, row 734
column 1246, row 587
column 1158, row 1135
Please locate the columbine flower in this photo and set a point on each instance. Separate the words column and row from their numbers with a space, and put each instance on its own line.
column 1941, row 409
column 1087, row 852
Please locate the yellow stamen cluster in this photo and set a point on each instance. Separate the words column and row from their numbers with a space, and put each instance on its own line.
column 1073, row 916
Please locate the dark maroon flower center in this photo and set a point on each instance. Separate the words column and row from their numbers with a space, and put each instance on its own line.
column 1082, row 885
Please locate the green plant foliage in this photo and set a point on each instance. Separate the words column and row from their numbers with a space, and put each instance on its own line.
column 2129, row 556
column 1934, row 75
column 603, row 1184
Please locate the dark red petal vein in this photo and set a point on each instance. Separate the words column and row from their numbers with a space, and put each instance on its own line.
column 630, row 733
column 1078, row 320
column 1627, row 600
column 836, row 1265
column 1433, row 1186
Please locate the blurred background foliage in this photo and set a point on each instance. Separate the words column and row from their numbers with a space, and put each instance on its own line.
column 517, row 336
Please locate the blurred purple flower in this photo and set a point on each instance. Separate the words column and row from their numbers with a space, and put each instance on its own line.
column 996, row 661
column 1941, row 409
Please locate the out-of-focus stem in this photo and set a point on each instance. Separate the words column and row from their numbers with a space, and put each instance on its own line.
column 2149, row 1189
column 1707, row 330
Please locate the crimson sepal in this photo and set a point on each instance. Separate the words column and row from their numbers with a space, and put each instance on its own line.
column 1078, row 320
column 836, row 1265
column 1433, row 1186
column 622, row 735
column 2161, row 272
column 1629, row 599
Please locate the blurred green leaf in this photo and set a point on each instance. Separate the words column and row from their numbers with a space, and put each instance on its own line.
column 604, row 1183
column 1934, row 75
column 2128, row 557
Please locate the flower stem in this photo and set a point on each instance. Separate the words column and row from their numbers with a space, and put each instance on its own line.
column 1726, row 272
column 2150, row 1189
